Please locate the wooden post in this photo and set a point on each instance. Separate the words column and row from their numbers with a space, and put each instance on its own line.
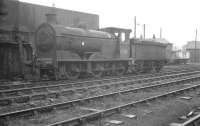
column 195, row 46
column 17, row 38
column 144, row 30
column 160, row 32
column 135, row 28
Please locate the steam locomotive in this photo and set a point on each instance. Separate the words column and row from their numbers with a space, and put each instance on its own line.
column 67, row 53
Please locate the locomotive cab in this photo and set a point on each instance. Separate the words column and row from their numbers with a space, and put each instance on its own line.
column 123, row 40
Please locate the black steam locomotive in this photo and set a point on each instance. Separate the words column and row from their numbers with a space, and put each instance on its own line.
column 66, row 53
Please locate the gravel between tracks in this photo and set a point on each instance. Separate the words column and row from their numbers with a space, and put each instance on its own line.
column 161, row 113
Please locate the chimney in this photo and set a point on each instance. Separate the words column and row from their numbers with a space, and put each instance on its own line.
column 51, row 18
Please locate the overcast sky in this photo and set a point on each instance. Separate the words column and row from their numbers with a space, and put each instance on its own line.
column 177, row 18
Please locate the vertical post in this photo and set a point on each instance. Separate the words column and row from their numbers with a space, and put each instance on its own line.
column 144, row 30
column 135, row 28
column 195, row 46
column 160, row 32
column 17, row 37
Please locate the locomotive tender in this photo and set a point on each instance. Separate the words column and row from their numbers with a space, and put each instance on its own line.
column 65, row 52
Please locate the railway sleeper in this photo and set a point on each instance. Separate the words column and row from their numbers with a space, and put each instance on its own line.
column 26, row 114
column 110, row 112
column 67, row 86
column 38, row 97
column 74, row 123
column 62, row 107
column 82, row 90
column 54, row 88
column 31, row 84
column 40, row 89
column 52, row 95
column 44, row 110
column 17, row 86
column 27, row 91
column 12, row 93
column 5, row 102
column 4, row 87
column 23, row 99
column 67, row 93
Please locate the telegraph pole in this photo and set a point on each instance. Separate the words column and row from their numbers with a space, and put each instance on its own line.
column 135, row 23
column 144, row 30
column 195, row 46
column 17, row 37
column 160, row 32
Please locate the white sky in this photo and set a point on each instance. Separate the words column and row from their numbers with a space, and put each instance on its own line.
column 177, row 18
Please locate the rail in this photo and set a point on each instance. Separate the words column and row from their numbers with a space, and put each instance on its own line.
column 194, row 121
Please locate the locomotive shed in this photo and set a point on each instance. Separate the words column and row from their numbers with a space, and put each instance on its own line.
column 58, row 68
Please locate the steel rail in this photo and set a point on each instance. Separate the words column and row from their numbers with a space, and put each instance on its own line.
column 194, row 121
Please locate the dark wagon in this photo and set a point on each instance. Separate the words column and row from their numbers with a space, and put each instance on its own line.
column 148, row 54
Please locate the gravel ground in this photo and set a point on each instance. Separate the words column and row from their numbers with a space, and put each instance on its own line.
column 159, row 113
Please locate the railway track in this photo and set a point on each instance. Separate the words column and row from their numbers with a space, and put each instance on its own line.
column 105, row 112
column 167, row 69
column 74, row 102
column 26, row 85
column 25, row 95
column 17, row 98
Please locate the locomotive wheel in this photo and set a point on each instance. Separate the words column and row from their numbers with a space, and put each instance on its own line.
column 139, row 67
column 109, row 68
column 97, row 70
column 158, row 69
column 153, row 70
column 72, row 72
column 120, row 69
column 61, row 73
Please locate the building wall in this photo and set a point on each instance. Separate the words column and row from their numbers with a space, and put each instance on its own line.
column 169, row 53
column 32, row 16
column 191, row 45
column 194, row 56
column 27, row 17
